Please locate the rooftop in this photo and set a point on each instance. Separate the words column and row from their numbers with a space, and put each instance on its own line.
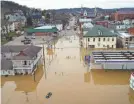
column 28, row 53
column 6, row 64
column 85, row 20
column 42, row 29
column 100, row 31
column 122, row 56
column 124, row 35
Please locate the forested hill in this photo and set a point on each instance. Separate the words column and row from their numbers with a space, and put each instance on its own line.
column 9, row 6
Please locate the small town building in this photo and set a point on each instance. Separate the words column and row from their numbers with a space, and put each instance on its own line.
column 115, row 59
column 20, row 59
column 86, row 27
column 99, row 37
column 131, row 30
column 122, row 15
column 103, row 23
column 46, row 30
column 7, row 27
column 125, row 40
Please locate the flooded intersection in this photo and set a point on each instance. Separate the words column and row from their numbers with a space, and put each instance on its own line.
column 68, row 80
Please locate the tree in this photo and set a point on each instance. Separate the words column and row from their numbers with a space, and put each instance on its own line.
column 47, row 18
column 48, row 15
column 29, row 21
column 44, row 12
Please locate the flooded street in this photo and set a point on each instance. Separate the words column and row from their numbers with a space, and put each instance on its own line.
column 69, row 81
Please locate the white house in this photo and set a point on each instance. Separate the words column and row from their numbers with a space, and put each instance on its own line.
column 85, row 20
column 126, row 39
column 99, row 37
column 21, row 59
column 7, row 27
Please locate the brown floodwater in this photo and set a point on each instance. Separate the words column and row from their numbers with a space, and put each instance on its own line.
column 69, row 81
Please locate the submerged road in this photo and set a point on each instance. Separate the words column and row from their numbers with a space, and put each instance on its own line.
column 68, row 80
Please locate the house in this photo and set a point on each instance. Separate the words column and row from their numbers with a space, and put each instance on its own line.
column 99, row 37
column 25, row 84
column 7, row 27
column 121, row 25
column 122, row 15
column 17, row 18
column 126, row 39
column 6, row 67
column 86, row 27
column 20, row 59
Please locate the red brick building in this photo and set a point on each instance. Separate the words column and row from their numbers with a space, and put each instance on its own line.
column 121, row 15
column 103, row 23
column 131, row 30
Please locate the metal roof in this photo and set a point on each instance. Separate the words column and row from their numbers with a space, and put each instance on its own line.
column 13, row 48
column 94, row 32
column 127, row 56
column 33, row 30
column 124, row 35
column 6, row 64
column 28, row 53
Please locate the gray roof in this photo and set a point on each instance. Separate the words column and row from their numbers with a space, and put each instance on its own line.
column 93, row 32
column 13, row 48
column 6, row 64
column 28, row 52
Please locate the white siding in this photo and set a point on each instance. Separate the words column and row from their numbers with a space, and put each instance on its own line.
column 101, row 43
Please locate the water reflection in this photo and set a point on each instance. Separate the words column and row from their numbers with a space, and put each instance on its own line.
column 131, row 96
column 87, row 77
column 111, row 77
column 24, row 83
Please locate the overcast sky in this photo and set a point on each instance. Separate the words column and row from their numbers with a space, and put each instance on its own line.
column 58, row 4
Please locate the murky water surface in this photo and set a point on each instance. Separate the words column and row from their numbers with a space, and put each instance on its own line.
column 68, row 80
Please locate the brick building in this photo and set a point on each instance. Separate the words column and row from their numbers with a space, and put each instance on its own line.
column 131, row 30
column 121, row 15
column 103, row 23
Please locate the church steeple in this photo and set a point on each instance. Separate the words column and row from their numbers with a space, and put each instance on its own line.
column 95, row 11
column 81, row 10
column 85, row 13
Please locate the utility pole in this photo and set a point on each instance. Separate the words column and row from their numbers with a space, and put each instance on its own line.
column 34, row 77
column 44, row 61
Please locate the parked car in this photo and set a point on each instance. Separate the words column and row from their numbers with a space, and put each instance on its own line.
column 26, row 37
column 33, row 37
column 68, row 28
column 28, row 41
column 22, row 40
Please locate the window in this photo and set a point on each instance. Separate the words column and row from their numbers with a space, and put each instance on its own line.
column 25, row 62
column 99, row 39
column 107, row 46
column 29, row 63
column 107, row 39
column 130, row 39
column 103, row 39
column 99, row 32
column 93, row 39
column 88, row 39
column 112, row 46
column 112, row 39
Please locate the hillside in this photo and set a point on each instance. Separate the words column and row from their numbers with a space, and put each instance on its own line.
column 9, row 6
column 100, row 10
